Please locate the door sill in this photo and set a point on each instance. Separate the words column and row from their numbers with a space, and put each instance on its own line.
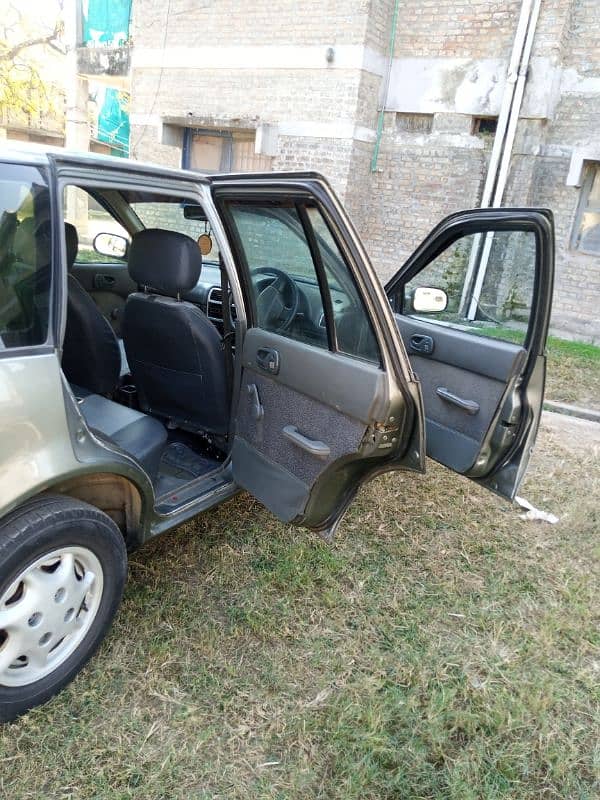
column 194, row 492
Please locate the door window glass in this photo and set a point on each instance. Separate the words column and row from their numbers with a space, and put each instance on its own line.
column 90, row 219
column 489, row 283
column 284, row 282
column 354, row 331
column 25, row 256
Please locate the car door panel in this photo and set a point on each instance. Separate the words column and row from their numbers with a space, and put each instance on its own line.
column 460, row 368
column 327, row 399
column 482, row 395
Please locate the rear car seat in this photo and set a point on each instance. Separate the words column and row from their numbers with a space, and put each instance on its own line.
column 139, row 435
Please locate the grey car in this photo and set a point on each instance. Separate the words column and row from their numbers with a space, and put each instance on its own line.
column 168, row 339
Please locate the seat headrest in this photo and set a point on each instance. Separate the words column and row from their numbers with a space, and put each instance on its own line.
column 166, row 261
column 72, row 241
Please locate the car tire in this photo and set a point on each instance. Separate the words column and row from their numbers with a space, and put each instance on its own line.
column 63, row 566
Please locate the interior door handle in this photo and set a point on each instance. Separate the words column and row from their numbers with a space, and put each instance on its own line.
column 470, row 406
column 315, row 448
column 103, row 281
column 267, row 358
column 421, row 343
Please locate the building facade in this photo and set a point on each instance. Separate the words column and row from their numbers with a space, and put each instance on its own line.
column 398, row 102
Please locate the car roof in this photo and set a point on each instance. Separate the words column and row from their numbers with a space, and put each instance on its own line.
column 42, row 155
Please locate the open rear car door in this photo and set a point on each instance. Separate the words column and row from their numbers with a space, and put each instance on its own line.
column 327, row 397
column 472, row 305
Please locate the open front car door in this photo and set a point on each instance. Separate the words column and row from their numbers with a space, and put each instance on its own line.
column 473, row 305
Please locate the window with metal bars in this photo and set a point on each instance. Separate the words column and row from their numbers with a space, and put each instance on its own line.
column 211, row 150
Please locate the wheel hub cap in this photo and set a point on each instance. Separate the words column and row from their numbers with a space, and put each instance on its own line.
column 46, row 612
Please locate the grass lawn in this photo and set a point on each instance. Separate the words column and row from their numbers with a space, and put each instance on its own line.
column 573, row 373
column 441, row 648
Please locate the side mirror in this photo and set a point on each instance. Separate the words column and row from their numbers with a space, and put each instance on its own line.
column 428, row 300
column 111, row 244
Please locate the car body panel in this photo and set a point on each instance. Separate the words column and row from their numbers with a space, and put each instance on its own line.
column 45, row 441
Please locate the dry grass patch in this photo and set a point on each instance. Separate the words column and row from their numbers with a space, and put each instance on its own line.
column 442, row 648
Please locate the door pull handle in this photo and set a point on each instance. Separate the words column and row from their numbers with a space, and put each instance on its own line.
column 315, row 448
column 470, row 406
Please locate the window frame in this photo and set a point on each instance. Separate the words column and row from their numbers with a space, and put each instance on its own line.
column 592, row 170
column 230, row 136
column 188, row 139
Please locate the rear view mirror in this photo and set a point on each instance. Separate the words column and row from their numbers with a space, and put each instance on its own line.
column 194, row 211
column 111, row 244
column 428, row 300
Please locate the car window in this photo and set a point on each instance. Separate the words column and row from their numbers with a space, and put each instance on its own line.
column 25, row 256
column 293, row 238
column 505, row 262
column 284, row 283
column 354, row 332
column 90, row 219
column 170, row 216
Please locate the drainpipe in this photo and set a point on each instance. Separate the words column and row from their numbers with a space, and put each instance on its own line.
column 500, row 157
column 386, row 87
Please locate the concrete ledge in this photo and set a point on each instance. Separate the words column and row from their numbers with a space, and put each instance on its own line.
column 572, row 411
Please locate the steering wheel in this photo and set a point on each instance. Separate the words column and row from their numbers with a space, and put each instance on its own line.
column 277, row 303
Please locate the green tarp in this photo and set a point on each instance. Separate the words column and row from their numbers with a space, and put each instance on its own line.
column 107, row 19
column 113, row 121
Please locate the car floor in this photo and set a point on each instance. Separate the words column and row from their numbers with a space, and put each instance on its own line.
column 184, row 459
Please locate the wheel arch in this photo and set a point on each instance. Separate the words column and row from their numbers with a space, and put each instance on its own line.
column 117, row 496
column 121, row 498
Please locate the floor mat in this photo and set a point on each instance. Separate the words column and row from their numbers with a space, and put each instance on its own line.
column 180, row 461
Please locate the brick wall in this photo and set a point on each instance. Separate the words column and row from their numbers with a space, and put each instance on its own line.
column 326, row 113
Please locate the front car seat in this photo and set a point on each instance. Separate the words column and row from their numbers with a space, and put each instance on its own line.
column 174, row 351
column 91, row 354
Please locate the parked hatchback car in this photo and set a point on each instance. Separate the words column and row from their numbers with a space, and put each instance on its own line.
column 169, row 338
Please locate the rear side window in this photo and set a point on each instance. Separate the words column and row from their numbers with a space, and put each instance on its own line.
column 25, row 256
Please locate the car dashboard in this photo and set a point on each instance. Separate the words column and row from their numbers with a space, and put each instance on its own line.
column 309, row 321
